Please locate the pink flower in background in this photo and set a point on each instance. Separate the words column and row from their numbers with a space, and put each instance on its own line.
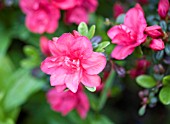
column 129, row 35
column 157, row 44
column 65, row 102
column 44, row 46
column 143, row 1
column 117, row 10
column 90, row 5
column 163, row 7
column 65, row 4
column 73, row 61
column 76, row 15
column 141, row 67
column 154, row 31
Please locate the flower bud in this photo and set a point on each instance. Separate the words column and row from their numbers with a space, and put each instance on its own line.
column 163, row 8
column 44, row 46
column 157, row 44
column 154, row 31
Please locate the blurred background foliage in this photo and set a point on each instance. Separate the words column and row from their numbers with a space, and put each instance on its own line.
column 23, row 86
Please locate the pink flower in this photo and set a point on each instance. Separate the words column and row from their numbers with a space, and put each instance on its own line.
column 28, row 6
column 143, row 1
column 65, row 4
column 90, row 5
column 129, row 35
column 163, row 8
column 44, row 46
column 73, row 61
column 76, row 15
column 157, row 44
column 43, row 19
column 154, row 31
column 66, row 101
column 117, row 10
column 141, row 66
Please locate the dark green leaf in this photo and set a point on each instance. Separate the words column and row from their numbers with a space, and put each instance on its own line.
column 146, row 81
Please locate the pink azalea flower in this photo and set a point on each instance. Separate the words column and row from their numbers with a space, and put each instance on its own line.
column 129, row 35
column 44, row 46
column 73, row 61
column 157, row 44
column 76, row 15
column 65, row 102
column 154, row 31
column 43, row 19
column 90, row 5
column 117, row 10
column 65, row 4
column 163, row 7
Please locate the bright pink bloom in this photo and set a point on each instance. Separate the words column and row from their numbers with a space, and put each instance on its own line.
column 90, row 5
column 28, row 6
column 65, row 4
column 157, row 44
column 117, row 10
column 44, row 19
column 129, row 35
column 73, row 61
column 44, row 46
column 66, row 101
column 163, row 8
column 141, row 67
column 76, row 15
column 154, row 31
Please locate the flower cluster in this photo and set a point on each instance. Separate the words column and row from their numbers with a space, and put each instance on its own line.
column 133, row 33
column 43, row 15
column 66, row 101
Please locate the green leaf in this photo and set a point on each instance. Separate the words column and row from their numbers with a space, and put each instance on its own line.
column 146, row 81
column 120, row 19
column 142, row 110
column 164, row 95
column 166, row 80
column 108, row 84
column 22, row 85
column 167, row 49
column 5, row 41
column 102, row 45
column 101, row 120
column 138, row 52
column 91, row 89
column 83, row 29
column 91, row 31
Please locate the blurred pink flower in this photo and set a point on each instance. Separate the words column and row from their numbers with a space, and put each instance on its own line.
column 143, row 1
column 117, row 10
column 90, row 5
column 65, row 4
column 129, row 35
column 163, row 7
column 73, row 61
column 157, row 44
column 141, row 66
column 66, row 101
column 154, row 31
column 76, row 15
column 44, row 46
column 44, row 19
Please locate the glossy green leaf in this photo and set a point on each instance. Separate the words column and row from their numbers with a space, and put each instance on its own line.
column 91, row 31
column 91, row 89
column 22, row 86
column 164, row 95
column 83, row 29
column 102, row 45
column 166, row 80
column 146, row 81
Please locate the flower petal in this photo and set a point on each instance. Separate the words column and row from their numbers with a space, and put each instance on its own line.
column 95, row 64
column 90, row 80
column 121, row 52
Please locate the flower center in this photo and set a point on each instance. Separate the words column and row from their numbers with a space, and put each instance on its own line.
column 72, row 63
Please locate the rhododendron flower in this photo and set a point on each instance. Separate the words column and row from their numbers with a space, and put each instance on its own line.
column 90, row 5
column 141, row 67
column 73, row 61
column 157, row 44
column 66, row 101
column 129, row 35
column 76, row 15
column 154, row 31
column 163, row 8
column 44, row 46
column 44, row 19
column 117, row 10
